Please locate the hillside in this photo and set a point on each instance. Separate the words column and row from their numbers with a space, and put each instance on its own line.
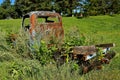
column 16, row 65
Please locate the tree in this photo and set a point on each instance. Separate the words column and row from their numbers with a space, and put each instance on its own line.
column 2, row 14
column 24, row 6
column 114, row 6
column 6, row 4
column 65, row 6
column 97, row 7
column 6, row 9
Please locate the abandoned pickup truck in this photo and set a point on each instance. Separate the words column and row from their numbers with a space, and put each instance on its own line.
column 47, row 26
column 44, row 25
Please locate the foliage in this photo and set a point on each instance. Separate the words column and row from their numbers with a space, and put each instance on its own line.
column 7, row 10
column 64, row 7
column 75, row 38
column 97, row 7
column 103, row 75
column 18, row 64
column 43, row 53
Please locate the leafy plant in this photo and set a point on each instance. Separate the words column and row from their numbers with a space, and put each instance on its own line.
column 74, row 38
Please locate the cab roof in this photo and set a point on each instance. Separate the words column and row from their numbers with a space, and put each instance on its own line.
column 42, row 14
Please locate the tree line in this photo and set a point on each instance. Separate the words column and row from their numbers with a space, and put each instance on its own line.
column 64, row 7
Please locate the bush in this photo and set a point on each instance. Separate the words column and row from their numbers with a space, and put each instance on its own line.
column 5, row 56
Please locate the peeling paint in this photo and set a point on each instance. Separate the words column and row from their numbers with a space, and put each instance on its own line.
column 46, row 30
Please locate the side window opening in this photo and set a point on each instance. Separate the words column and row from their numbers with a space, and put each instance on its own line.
column 40, row 20
column 27, row 23
column 52, row 19
column 47, row 19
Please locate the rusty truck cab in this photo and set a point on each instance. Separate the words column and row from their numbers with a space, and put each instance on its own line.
column 44, row 25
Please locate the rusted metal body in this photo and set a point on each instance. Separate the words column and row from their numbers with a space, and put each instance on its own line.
column 97, row 64
column 52, row 32
column 84, row 52
column 88, row 52
column 41, row 28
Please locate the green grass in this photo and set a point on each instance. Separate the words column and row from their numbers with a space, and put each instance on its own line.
column 10, row 25
column 96, row 29
column 102, row 29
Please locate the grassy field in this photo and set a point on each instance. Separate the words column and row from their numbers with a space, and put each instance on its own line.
column 15, row 65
